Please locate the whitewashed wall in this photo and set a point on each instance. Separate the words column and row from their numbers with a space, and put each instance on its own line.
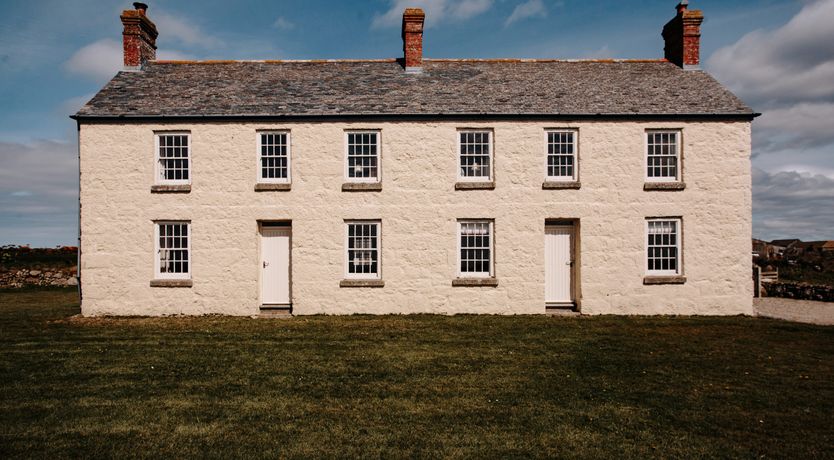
column 418, row 207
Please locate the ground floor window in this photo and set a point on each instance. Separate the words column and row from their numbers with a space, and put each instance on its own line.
column 663, row 246
column 173, row 250
column 475, row 248
column 362, row 249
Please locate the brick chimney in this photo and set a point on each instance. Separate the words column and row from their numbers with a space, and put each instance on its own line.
column 139, row 37
column 413, row 39
column 683, row 37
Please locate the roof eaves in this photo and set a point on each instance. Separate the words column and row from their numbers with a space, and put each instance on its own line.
column 423, row 116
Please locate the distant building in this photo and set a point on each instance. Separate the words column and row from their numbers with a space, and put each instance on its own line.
column 781, row 247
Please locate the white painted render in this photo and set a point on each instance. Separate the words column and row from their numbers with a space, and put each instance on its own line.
column 419, row 209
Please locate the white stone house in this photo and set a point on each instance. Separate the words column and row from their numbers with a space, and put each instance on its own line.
column 500, row 186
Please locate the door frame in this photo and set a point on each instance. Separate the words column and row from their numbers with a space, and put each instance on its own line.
column 575, row 271
column 262, row 224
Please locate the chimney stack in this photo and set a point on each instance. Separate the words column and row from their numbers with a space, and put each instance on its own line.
column 683, row 37
column 413, row 19
column 139, row 37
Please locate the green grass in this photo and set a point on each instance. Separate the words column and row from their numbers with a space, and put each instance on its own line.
column 409, row 386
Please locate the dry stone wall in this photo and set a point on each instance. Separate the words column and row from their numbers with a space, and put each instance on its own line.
column 799, row 291
column 39, row 276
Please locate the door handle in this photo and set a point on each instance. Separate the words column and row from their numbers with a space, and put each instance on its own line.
column 266, row 264
column 570, row 262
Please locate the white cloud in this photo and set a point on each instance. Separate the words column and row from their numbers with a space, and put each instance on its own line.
column 791, row 204
column 602, row 53
column 437, row 11
column 101, row 60
column 71, row 105
column 528, row 9
column 183, row 31
column 794, row 62
column 98, row 61
column 788, row 75
column 38, row 193
column 283, row 23
column 173, row 55
column 805, row 124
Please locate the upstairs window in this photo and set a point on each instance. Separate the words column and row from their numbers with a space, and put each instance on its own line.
column 362, row 249
column 173, row 159
column 663, row 246
column 475, row 248
column 173, row 250
column 663, row 156
column 362, row 163
column 274, row 157
column 475, row 155
column 561, row 155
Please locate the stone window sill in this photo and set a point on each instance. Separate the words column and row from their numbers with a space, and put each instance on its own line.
column 362, row 187
column 362, row 283
column 264, row 187
column 654, row 280
column 171, row 283
column 475, row 186
column 557, row 185
column 164, row 188
column 474, row 282
column 664, row 186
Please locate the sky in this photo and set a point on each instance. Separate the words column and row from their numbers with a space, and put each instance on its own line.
column 777, row 55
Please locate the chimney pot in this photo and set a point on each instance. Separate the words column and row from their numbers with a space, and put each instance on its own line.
column 682, row 36
column 138, row 37
column 412, row 34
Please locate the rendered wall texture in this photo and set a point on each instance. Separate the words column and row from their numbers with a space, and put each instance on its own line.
column 419, row 208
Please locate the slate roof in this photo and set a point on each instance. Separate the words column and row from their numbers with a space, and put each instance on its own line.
column 382, row 88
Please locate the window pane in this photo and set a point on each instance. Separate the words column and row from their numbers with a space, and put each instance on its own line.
column 173, row 157
column 274, row 159
column 363, row 248
column 173, row 248
column 362, row 156
column 662, row 155
column 560, row 156
column 475, row 248
column 662, row 251
column 474, row 154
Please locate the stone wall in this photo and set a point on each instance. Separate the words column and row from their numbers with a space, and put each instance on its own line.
column 419, row 208
column 38, row 276
column 799, row 291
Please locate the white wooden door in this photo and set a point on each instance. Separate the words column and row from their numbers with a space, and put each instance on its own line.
column 558, row 264
column 275, row 265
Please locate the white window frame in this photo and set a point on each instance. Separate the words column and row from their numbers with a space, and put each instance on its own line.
column 364, row 276
column 158, row 274
column 491, row 142
column 364, row 180
column 678, row 246
column 479, row 275
column 678, row 157
column 575, row 176
column 157, row 167
column 259, row 157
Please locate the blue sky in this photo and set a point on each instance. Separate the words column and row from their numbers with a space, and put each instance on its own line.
column 777, row 54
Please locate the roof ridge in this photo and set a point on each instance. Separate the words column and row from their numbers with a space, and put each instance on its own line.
column 543, row 60
column 264, row 61
column 391, row 60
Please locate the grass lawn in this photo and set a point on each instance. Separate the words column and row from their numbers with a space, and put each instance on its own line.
column 409, row 386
